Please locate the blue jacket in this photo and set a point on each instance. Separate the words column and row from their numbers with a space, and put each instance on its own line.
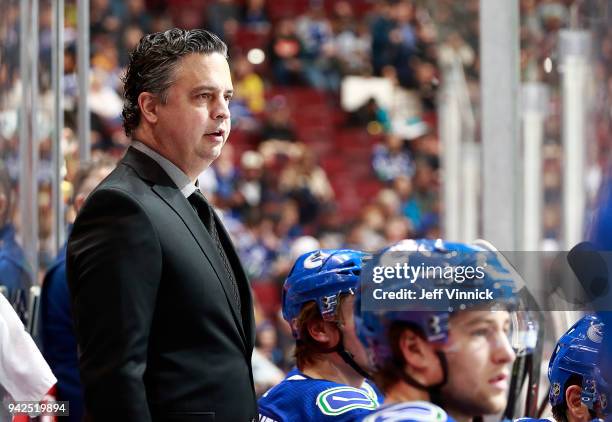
column 58, row 339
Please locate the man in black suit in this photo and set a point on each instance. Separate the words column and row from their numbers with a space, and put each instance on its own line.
column 162, row 307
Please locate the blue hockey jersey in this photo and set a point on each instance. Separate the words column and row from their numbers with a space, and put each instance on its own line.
column 301, row 398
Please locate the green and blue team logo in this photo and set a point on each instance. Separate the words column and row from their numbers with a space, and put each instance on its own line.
column 338, row 400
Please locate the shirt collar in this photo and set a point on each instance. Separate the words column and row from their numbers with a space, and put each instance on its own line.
column 180, row 179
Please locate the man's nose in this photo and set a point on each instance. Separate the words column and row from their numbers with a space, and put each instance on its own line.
column 220, row 109
column 502, row 350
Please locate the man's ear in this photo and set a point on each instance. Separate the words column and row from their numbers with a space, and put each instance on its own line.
column 148, row 103
column 420, row 356
column 576, row 410
column 323, row 332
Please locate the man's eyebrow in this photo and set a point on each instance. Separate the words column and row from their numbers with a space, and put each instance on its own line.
column 201, row 88
column 479, row 320
column 485, row 320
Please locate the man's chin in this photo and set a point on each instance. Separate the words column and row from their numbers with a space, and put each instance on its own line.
column 495, row 404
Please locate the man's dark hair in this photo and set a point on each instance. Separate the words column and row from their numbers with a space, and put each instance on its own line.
column 153, row 62
column 390, row 373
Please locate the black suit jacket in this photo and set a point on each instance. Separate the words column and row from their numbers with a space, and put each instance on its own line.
column 160, row 338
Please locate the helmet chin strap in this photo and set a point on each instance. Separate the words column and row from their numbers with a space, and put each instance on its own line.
column 347, row 357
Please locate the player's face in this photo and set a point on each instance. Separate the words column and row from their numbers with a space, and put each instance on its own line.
column 194, row 123
column 479, row 358
column 351, row 342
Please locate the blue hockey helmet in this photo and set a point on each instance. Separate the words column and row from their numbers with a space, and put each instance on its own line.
column 432, row 317
column 578, row 353
column 321, row 276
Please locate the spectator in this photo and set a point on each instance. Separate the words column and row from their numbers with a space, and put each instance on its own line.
column 257, row 247
column 137, row 16
column 131, row 35
column 286, row 53
column 389, row 203
column 352, row 46
column 249, row 100
column 225, row 177
column 305, row 181
column 277, row 125
column 223, row 18
column 396, row 229
column 105, row 17
column 381, row 25
column 370, row 115
column 391, row 160
column 254, row 16
column 15, row 277
column 319, row 59
column 422, row 203
column 250, row 186
column 267, row 343
column 288, row 225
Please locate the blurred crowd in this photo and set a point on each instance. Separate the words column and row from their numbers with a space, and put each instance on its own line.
column 302, row 170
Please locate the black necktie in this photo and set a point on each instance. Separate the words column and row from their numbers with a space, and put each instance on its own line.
column 207, row 215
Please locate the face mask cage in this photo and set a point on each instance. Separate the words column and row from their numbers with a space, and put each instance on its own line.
column 523, row 334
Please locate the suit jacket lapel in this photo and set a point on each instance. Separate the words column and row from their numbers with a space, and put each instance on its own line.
column 163, row 186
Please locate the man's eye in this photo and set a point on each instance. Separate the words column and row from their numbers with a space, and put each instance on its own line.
column 480, row 332
column 228, row 98
column 204, row 96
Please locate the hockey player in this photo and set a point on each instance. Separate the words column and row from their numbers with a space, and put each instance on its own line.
column 455, row 354
column 329, row 381
column 577, row 390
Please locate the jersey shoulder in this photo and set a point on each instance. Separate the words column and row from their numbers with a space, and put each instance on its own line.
column 416, row 411
column 299, row 397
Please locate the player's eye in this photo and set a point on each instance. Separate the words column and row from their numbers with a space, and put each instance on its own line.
column 481, row 332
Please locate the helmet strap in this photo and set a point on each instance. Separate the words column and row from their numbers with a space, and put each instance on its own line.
column 347, row 357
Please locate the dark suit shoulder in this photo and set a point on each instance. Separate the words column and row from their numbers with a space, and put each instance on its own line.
column 121, row 191
column 124, row 178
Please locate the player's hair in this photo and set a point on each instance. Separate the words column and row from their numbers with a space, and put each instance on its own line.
column 153, row 64
column 390, row 373
column 307, row 349
column 560, row 411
